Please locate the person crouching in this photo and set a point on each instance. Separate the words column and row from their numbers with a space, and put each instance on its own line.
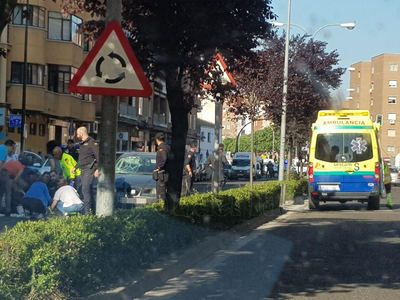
column 66, row 199
column 36, row 200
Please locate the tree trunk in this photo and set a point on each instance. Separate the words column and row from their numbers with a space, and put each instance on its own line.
column 179, row 118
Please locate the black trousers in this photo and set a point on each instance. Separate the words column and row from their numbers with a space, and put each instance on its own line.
column 187, row 183
column 33, row 205
column 87, row 176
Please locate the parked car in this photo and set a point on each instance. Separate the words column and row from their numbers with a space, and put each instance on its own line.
column 395, row 175
column 34, row 161
column 133, row 179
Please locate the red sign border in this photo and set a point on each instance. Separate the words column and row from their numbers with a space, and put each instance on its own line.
column 116, row 27
column 218, row 57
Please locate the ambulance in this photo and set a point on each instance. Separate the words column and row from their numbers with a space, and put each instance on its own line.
column 345, row 162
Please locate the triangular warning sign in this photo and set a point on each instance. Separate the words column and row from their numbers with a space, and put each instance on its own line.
column 111, row 68
column 218, row 62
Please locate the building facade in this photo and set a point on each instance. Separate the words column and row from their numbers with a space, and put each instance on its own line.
column 55, row 49
column 375, row 86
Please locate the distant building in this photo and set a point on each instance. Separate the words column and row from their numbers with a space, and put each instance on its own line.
column 375, row 86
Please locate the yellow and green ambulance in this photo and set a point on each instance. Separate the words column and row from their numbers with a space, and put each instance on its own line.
column 345, row 162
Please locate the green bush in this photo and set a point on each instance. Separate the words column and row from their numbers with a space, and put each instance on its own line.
column 65, row 257
column 232, row 206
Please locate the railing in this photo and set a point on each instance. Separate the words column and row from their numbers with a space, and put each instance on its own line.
column 127, row 111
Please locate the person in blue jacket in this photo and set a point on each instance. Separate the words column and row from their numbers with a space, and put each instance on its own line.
column 37, row 199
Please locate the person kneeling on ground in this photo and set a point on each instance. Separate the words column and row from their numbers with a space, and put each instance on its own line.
column 37, row 199
column 66, row 198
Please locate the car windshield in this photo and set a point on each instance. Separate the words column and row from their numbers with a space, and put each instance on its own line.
column 135, row 164
column 343, row 147
column 241, row 162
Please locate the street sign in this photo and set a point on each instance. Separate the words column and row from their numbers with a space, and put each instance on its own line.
column 111, row 68
column 219, row 64
column 15, row 121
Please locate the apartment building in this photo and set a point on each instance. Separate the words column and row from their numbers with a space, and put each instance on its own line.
column 55, row 49
column 375, row 86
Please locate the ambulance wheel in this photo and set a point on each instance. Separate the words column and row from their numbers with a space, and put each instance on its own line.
column 313, row 203
column 374, row 203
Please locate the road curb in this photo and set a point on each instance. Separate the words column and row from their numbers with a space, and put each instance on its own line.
column 176, row 263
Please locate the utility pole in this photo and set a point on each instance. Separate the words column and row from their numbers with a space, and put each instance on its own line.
column 24, row 77
column 108, row 132
column 283, row 119
column 252, row 162
column 217, row 165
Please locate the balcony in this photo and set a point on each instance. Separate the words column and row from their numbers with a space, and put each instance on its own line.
column 127, row 111
column 160, row 120
column 50, row 103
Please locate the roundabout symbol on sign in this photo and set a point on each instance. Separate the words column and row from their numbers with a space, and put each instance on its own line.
column 120, row 76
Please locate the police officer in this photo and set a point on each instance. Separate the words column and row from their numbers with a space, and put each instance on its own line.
column 189, row 169
column 88, row 159
column 160, row 173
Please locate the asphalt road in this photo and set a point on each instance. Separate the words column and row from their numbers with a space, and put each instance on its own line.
column 339, row 252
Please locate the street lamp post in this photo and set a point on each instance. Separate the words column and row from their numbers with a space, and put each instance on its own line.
column 347, row 25
column 283, row 118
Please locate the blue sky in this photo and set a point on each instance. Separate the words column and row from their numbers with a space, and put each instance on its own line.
column 376, row 32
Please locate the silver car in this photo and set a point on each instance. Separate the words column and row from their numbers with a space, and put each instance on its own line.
column 394, row 174
column 134, row 182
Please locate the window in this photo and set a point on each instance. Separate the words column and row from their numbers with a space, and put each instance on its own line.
column 42, row 129
column 392, row 118
column 88, row 43
column 372, row 70
column 343, row 147
column 160, row 109
column 359, row 74
column 393, row 67
column 393, row 83
column 391, row 149
column 32, row 128
column 36, row 15
column 59, row 78
column 209, row 137
column 34, row 73
column 65, row 28
column 392, row 99
column 391, row 133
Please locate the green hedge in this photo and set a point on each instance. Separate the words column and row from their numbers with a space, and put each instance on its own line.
column 65, row 257
column 236, row 205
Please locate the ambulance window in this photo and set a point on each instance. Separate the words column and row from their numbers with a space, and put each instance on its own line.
column 343, row 147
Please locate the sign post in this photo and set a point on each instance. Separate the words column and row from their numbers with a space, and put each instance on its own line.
column 112, row 70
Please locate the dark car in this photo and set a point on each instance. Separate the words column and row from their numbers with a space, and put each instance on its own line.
column 133, row 178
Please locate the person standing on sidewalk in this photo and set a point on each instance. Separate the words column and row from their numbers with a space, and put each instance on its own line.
column 88, row 160
column 160, row 173
column 387, row 180
column 6, row 150
column 188, row 170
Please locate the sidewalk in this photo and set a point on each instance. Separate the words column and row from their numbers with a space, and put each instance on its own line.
column 175, row 264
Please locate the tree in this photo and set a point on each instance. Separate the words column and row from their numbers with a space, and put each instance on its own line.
column 312, row 74
column 6, row 9
column 178, row 38
column 263, row 142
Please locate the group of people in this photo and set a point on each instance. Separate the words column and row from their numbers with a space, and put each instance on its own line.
column 23, row 191
column 161, row 176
